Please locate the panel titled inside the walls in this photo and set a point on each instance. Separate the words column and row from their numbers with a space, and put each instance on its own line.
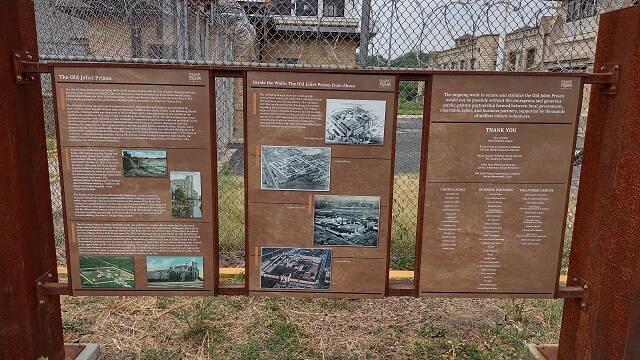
column 319, row 150
column 136, row 160
column 500, row 151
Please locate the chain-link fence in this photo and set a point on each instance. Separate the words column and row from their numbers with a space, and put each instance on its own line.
column 505, row 35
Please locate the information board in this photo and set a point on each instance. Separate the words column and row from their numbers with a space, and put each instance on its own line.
column 498, row 168
column 319, row 172
column 136, row 166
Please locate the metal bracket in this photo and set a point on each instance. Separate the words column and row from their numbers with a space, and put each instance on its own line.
column 577, row 281
column 45, row 288
column 607, row 79
column 46, row 277
column 25, row 64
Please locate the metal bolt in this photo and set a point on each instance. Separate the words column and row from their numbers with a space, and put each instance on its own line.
column 31, row 77
column 39, row 283
column 50, row 275
column 601, row 68
column 17, row 56
column 29, row 57
column 575, row 279
column 41, row 302
column 585, row 286
column 19, row 78
column 616, row 67
column 583, row 305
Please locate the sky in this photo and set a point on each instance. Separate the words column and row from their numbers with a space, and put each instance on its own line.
column 175, row 175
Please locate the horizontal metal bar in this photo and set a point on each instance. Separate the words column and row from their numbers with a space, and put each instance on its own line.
column 401, row 290
column 404, row 73
column 232, row 289
column 34, row 67
column 600, row 78
column 51, row 288
column 570, row 292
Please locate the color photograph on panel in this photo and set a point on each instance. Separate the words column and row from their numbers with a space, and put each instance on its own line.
column 295, row 268
column 186, row 194
column 346, row 220
column 295, row 168
column 107, row 271
column 144, row 163
column 175, row 272
column 357, row 122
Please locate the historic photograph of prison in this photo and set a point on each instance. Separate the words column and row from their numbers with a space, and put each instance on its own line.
column 295, row 268
column 174, row 272
column 106, row 272
column 144, row 163
column 358, row 122
column 186, row 194
column 346, row 220
column 295, row 168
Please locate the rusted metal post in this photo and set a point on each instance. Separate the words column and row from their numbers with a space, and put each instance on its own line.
column 605, row 253
column 29, row 327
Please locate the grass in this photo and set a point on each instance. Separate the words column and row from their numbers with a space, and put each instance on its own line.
column 408, row 107
column 299, row 328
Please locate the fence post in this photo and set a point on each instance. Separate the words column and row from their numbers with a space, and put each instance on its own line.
column 28, row 329
column 605, row 253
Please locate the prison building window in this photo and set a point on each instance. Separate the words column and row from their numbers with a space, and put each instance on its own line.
column 281, row 7
column 334, row 8
column 531, row 58
column 306, row 7
column 580, row 9
column 512, row 61
column 288, row 61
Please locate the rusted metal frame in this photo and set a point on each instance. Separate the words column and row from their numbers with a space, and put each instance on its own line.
column 405, row 74
column 53, row 288
column 213, row 138
column 30, row 330
column 607, row 224
column 232, row 289
column 247, row 248
column 394, row 130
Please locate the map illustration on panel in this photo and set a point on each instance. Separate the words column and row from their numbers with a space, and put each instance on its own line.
column 174, row 272
column 295, row 168
column 346, row 220
column 144, row 163
column 357, row 122
column 295, row 268
column 186, row 190
column 107, row 271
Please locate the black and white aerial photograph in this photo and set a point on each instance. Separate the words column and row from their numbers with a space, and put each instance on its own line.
column 295, row 268
column 346, row 220
column 295, row 168
column 144, row 163
column 356, row 122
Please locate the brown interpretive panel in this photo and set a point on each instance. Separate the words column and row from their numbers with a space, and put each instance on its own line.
column 137, row 181
column 319, row 151
column 496, row 181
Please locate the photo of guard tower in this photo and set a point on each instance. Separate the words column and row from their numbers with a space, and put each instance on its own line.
column 356, row 122
column 174, row 272
column 295, row 268
column 346, row 220
column 186, row 190
column 295, row 168
column 144, row 163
